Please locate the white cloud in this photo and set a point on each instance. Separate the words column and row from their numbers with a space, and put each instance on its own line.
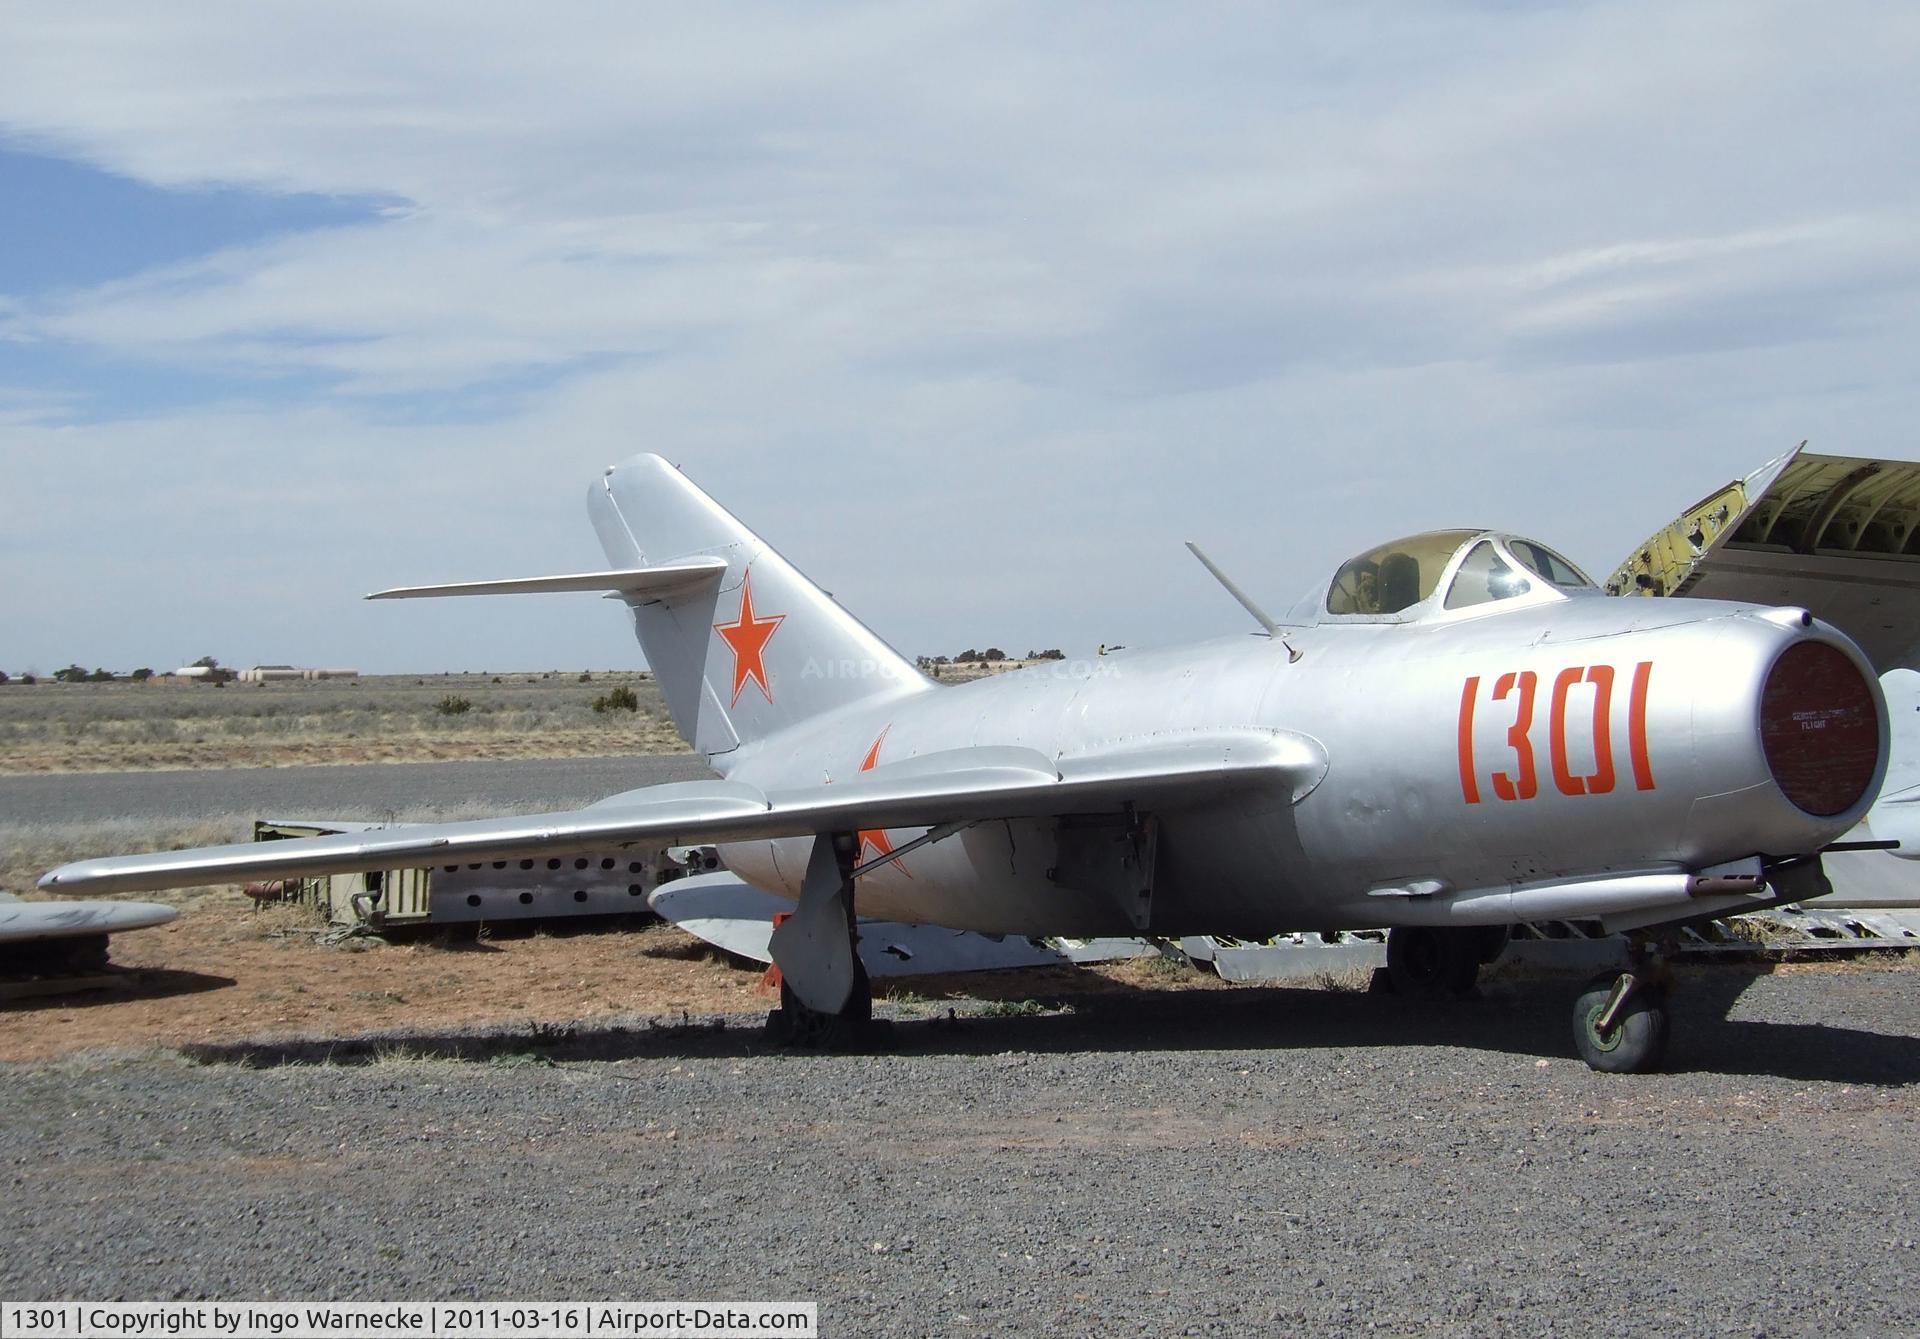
column 1052, row 288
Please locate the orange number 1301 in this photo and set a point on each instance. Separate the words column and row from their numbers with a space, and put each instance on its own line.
column 1519, row 779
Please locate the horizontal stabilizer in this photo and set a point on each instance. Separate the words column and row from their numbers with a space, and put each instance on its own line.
column 655, row 582
column 26, row 921
column 960, row 785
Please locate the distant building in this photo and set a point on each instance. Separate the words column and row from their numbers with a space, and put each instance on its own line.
column 278, row 673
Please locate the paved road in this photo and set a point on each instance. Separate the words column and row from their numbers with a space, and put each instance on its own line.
column 366, row 790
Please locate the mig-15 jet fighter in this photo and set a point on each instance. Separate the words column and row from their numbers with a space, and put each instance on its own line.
column 1454, row 733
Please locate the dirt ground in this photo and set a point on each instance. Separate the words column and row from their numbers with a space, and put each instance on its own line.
column 226, row 972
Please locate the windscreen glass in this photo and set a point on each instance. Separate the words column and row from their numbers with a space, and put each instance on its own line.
column 1394, row 576
column 1544, row 562
column 1484, row 578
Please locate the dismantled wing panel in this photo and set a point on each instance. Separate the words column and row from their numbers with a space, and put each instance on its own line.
column 26, row 921
column 1895, row 815
column 1836, row 535
column 955, row 786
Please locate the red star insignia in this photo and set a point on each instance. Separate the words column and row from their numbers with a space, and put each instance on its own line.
column 873, row 838
column 748, row 636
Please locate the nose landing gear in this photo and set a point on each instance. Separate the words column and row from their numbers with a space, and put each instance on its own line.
column 1620, row 1018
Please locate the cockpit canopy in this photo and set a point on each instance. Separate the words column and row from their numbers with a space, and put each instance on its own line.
column 1402, row 580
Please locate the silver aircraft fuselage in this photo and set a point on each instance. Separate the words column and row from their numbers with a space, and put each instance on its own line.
column 1482, row 754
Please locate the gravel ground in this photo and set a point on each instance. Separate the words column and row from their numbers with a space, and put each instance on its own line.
column 1144, row 1162
column 334, row 792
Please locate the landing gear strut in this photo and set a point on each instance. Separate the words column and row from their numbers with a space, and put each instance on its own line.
column 1620, row 1019
column 824, row 991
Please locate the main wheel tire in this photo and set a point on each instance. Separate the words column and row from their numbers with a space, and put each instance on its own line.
column 84, row 953
column 1490, row 941
column 1426, row 963
column 1637, row 1041
column 858, row 1008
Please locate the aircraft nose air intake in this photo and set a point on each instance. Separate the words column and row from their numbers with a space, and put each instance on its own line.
column 1820, row 728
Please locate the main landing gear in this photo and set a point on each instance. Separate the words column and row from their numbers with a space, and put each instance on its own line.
column 1440, row 962
column 825, row 996
column 794, row 1024
column 1620, row 1019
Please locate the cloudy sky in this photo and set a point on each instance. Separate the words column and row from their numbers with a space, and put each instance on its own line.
column 975, row 311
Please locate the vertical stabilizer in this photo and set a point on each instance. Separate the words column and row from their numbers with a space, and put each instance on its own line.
column 759, row 650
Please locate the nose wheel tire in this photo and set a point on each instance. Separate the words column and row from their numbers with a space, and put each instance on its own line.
column 1625, row 1036
column 1429, row 963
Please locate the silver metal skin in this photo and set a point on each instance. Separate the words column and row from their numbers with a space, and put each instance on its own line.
column 1335, row 771
column 1383, row 702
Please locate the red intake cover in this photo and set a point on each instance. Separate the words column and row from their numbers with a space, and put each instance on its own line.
column 1819, row 728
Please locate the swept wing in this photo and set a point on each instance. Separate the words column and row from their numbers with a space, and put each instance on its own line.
column 953, row 786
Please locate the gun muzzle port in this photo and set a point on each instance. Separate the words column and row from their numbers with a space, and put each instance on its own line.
column 1820, row 728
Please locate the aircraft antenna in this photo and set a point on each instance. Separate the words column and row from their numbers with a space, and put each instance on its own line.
column 1260, row 615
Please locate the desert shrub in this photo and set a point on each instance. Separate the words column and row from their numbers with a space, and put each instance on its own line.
column 141, row 675
column 453, row 705
column 586, row 676
column 71, row 674
column 622, row 698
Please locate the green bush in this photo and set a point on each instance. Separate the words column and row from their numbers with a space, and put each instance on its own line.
column 622, row 698
column 450, row 705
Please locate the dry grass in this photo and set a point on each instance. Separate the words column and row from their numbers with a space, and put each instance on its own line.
column 168, row 724
column 28, row 850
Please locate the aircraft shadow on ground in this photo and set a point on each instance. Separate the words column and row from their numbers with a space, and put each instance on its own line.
column 144, row 983
column 1529, row 1020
